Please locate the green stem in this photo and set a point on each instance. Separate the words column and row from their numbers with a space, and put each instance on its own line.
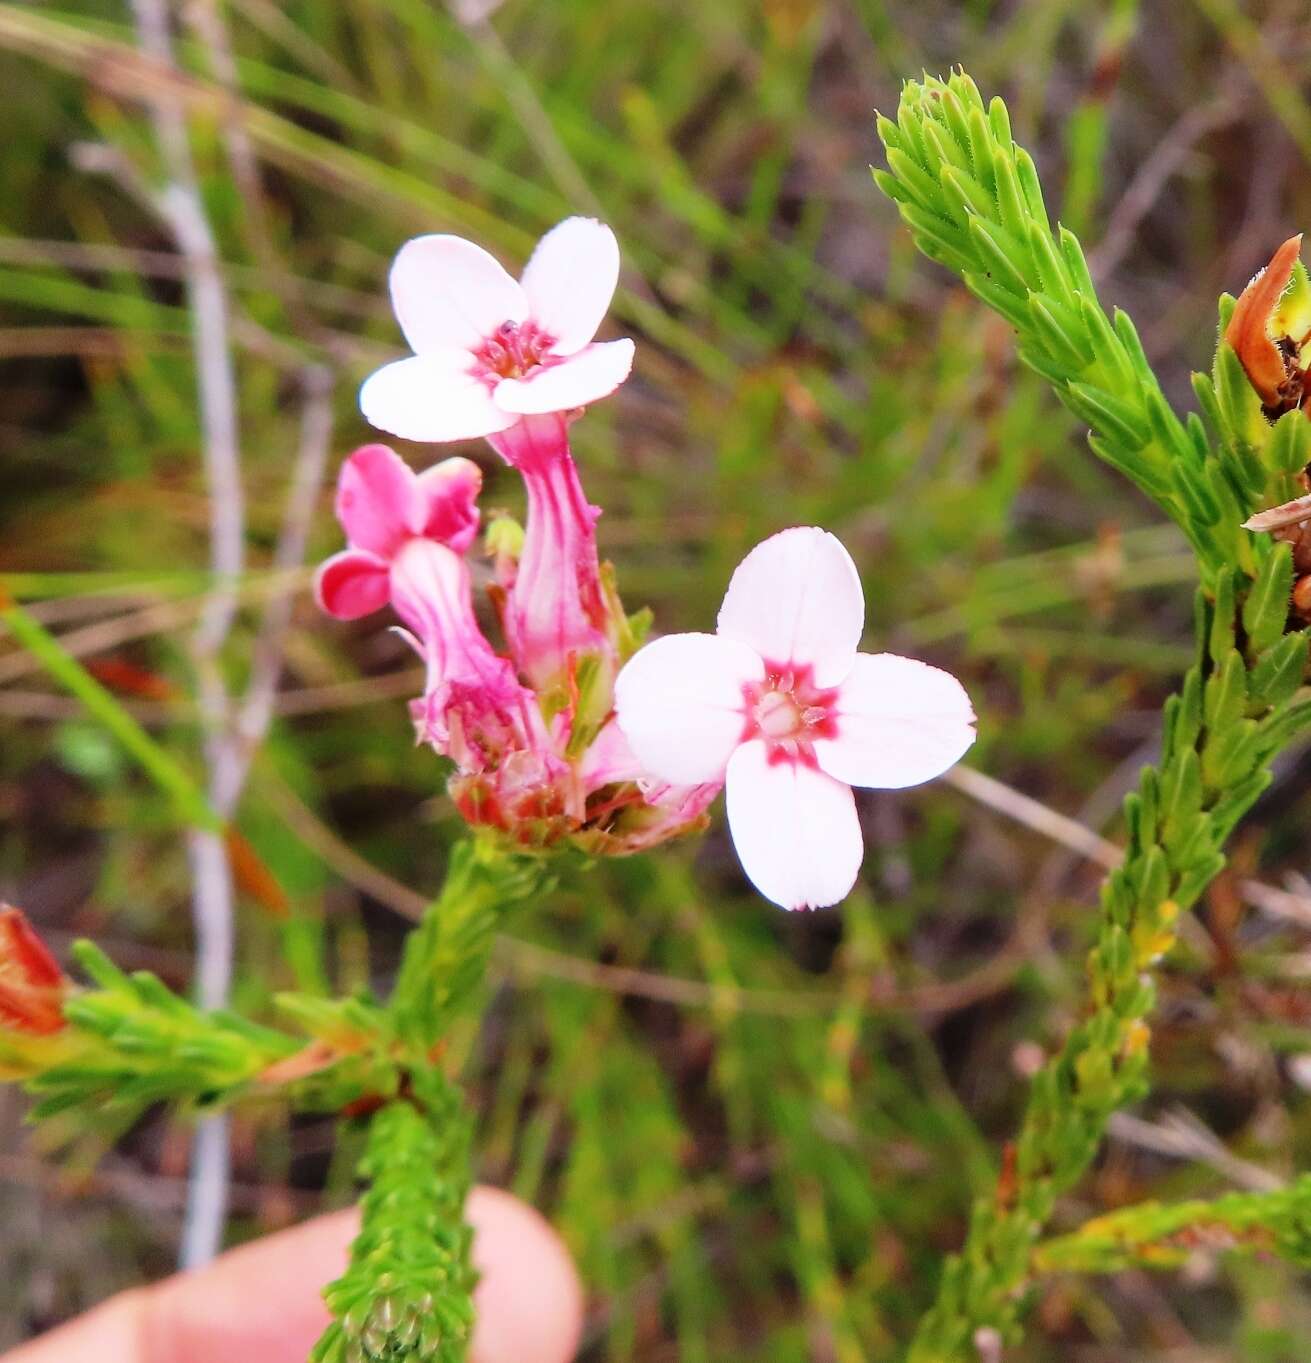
column 1152, row 1236
column 407, row 1294
column 1221, row 732
column 972, row 200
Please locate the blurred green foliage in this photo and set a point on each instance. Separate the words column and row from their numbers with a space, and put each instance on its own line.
column 759, row 1133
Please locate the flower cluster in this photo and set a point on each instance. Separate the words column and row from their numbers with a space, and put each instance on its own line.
column 531, row 730
column 559, row 736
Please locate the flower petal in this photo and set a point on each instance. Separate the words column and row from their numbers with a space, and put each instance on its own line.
column 795, row 829
column 351, row 584
column 596, row 371
column 570, row 281
column 427, row 397
column 448, row 502
column 376, row 499
column 796, row 598
column 679, row 703
column 900, row 722
column 448, row 292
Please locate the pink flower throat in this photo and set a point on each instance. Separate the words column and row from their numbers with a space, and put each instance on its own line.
column 513, row 350
column 789, row 712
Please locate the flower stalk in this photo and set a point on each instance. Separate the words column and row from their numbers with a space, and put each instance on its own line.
column 1222, row 729
column 973, row 202
column 407, row 1294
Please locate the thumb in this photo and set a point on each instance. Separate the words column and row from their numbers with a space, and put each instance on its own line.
column 262, row 1301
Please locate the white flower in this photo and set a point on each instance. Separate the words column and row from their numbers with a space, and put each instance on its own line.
column 489, row 350
column 781, row 707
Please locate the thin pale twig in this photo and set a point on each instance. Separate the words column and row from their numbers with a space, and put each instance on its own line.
column 1034, row 814
column 1152, row 176
column 79, row 255
column 153, row 1191
column 1083, row 841
column 182, row 207
column 1183, row 1136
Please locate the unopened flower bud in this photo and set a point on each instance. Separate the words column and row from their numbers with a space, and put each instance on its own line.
column 1269, row 328
column 504, row 542
column 1302, row 597
column 32, row 987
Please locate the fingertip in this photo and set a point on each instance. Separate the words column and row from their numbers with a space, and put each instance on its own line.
column 264, row 1300
column 110, row 1333
column 530, row 1298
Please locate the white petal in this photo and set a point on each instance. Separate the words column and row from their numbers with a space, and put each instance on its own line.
column 448, row 292
column 900, row 722
column 431, row 397
column 796, row 598
column 679, row 703
column 570, row 281
column 596, row 371
column 795, row 829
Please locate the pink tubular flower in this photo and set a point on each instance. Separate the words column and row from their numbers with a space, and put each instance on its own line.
column 489, row 350
column 556, row 611
column 545, row 762
column 383, row 505
column 408, row 533
column 473, row 707
column 780, row 706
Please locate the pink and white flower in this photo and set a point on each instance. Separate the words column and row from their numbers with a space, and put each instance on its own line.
column 382, row 505
column 781, row 707
column 543, row 763
column 408, row 533
column 490, row 350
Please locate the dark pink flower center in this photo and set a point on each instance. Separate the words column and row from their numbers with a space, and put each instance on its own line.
column 514, row 350
column 789, row 712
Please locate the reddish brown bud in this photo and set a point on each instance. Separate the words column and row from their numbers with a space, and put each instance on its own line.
column 32, row 986
column 1272, row 373
column 1302, row 597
